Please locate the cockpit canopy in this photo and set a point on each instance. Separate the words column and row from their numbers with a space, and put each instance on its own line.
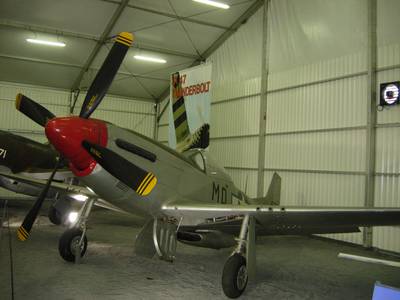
column 203, row 160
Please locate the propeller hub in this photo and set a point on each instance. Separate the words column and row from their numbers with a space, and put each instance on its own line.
column 66, row 135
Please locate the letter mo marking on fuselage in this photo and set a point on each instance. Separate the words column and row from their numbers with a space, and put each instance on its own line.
column 3, row 153
column 220, row 195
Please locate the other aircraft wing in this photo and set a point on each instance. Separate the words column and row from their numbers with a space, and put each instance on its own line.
column 63, row 188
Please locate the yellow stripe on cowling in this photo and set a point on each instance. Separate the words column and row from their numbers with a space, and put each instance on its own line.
column 18, row 101
column 143, row 182
column 140, row 192
column 150, row 186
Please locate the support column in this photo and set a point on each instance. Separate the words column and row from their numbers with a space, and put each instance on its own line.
column 263, row 101
column 156, row 120
column 371, row 116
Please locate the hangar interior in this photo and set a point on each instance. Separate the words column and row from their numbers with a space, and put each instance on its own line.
column 295, row 87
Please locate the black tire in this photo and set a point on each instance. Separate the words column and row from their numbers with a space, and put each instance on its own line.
column 234, row 276
column 67, row 242
column 55, row 216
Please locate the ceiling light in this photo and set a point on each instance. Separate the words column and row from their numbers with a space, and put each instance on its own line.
column 152, row 59
column 47, row 43
column 213, row 3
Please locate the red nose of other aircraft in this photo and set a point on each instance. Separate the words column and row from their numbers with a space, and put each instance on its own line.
column 67, row 133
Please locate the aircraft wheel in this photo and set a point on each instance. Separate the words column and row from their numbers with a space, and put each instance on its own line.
column 69, row 242
column 234, row 276
column 55, row 216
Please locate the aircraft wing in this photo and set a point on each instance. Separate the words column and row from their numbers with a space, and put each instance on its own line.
column 63, row 188
column 286, row 220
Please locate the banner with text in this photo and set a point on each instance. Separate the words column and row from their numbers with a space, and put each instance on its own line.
column 190, row 102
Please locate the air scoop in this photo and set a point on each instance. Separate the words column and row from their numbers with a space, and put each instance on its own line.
column 66, row 135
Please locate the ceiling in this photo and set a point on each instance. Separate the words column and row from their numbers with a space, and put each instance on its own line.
column 182, row 32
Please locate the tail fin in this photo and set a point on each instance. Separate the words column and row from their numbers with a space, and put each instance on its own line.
column 273, row 196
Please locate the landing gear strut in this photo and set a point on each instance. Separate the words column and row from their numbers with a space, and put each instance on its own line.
column 73, row 243
column 238, row 269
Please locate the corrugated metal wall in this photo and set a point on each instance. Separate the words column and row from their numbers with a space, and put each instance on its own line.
column 316, row 106
column 124, row 112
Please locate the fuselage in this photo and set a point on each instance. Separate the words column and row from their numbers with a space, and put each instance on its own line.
column 192, row 176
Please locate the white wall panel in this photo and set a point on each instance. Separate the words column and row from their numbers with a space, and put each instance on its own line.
column 334, row 151
column 235, row 152
column 388, row 150
column 239, row 117
column 316, row 71
column 335, row 104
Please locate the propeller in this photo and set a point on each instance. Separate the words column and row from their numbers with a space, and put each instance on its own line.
column 106, row 74
column 33, row 110
column 94, row 96
column 25, row 228
column 141, row 181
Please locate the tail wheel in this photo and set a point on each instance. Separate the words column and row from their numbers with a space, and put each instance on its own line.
column 68, row 244
column 234, row 276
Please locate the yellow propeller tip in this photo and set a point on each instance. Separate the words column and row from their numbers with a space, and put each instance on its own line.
column 18, row 101
column 125, row 38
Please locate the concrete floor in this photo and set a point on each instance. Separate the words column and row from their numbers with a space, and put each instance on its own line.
column 288, row 267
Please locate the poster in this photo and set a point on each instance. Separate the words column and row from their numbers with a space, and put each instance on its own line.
column 190, row 102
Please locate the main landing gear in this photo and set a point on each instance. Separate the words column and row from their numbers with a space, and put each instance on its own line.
column 241, row 264
column 73, row 243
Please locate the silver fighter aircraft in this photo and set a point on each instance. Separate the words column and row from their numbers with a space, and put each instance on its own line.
column 186, row 196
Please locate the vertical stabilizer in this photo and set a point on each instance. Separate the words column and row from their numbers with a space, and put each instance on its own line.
column 273, row 196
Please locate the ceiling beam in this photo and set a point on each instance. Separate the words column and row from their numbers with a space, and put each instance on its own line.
column 172, row 16
column 69, row 65
column 100, row 43
column 223, row 37
column 43, row 29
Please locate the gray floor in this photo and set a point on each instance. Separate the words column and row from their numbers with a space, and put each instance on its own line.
column 288, row 267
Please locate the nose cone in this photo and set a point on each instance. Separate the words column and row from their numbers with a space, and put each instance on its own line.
column 66, row 135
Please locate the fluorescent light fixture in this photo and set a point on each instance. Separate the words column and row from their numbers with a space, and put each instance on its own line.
column 213, row 3
column 47, row 43
column 73, row 217
column 152, row 59
column 80, row 197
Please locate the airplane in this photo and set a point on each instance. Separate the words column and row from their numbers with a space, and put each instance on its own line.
column 38, row 164
column 185, row 196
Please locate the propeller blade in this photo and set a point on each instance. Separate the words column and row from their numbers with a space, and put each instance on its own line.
column 25, row 228
column 141, row 181
column 14, row 149
column 106, row 74
column 33, row 110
